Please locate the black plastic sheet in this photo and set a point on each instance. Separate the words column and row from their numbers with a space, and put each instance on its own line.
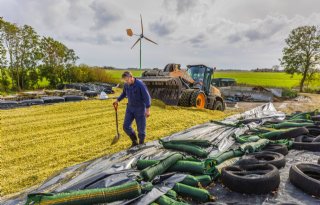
column 120, row 167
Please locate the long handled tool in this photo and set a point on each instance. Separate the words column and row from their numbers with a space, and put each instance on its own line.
column 116, row 138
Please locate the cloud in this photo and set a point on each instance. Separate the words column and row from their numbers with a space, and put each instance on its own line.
column 104, row 14
column 77, row 11
column 260, row 29
column 186, row 6
column 97, row 39
column 163, row 27
column 118, row 38
column 249, row 32
column 179, row 6
column 199, row 41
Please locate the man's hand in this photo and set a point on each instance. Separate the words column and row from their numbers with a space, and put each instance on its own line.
column 115, row 104
column 147, row 112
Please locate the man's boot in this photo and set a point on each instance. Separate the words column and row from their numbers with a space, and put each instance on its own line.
column 141, row 139
column 133, row 138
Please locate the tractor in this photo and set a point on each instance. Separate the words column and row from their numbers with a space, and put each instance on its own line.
column 189, row 87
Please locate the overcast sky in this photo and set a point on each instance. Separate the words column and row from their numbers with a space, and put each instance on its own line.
column 228, row 34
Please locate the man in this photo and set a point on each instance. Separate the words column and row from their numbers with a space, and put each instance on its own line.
column 138, row 107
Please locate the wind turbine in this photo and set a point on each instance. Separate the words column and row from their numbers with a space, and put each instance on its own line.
column 141, row 36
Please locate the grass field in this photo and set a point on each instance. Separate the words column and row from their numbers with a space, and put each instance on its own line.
column 116, row 74
column 275, row 79
column 272, row 79
column 40, row 140
column 266, row 79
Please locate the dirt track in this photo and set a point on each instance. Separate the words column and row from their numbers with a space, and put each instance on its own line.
column 307, row 103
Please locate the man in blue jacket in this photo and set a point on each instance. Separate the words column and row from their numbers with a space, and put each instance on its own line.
column 138, row 107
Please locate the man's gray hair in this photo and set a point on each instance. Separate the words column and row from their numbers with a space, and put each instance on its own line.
column 126, row 74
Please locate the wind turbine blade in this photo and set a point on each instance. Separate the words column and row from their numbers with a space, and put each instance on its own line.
column 141, row 24
column 150, row 40
column 136, row 43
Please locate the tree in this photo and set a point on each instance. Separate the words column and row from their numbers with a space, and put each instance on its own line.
column 28, row 56
column 3, row 63
column 302, row 53
column 10, row 39
column 69, row 61
column 57, row 60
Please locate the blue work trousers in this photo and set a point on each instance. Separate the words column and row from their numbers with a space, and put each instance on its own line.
column 137, row 114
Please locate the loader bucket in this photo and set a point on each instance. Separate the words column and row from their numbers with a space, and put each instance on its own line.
column 165, row 88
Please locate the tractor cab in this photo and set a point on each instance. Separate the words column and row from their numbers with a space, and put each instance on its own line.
column 201, row 75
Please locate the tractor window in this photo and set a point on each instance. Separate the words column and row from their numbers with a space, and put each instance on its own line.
column 197, row 73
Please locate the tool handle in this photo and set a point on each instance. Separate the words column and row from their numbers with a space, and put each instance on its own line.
column 115, row 105
column 117, row 123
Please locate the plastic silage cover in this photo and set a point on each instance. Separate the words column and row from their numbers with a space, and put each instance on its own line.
column 120, row 167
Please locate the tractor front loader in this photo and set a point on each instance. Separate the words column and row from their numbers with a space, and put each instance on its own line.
column 190, row 87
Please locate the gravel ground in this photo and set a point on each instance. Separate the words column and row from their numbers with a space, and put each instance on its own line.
column 304, row 102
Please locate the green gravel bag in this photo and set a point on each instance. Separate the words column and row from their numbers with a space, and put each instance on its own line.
column 226, row 163
column 284, row 125
column 188, row 148
column 304, row 115
column 247, row 138
column 197, row 181
column 192, row 167
column 172, row 194
column 271, row 134
column 189, row 166
column 221, row 157
column 144, row 163
column 197, row 194
column 165, row 200
column 254, row 146
column 300, row 121
column 128, row 190
column 204, row 180
column 200, row 143
column 191, row 181
column 159, row 168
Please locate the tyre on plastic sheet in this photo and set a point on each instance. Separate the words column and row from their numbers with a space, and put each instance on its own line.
column 304, row 138
column 279, row 148
column 306, row 177
column 268, row 157
column 316, row 139
column 310, row 146
column 251, row 179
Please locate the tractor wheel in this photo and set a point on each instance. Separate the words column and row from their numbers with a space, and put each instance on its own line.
column 185, row 98
column 198, row 99
column 218, row 106
column 210, row 102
